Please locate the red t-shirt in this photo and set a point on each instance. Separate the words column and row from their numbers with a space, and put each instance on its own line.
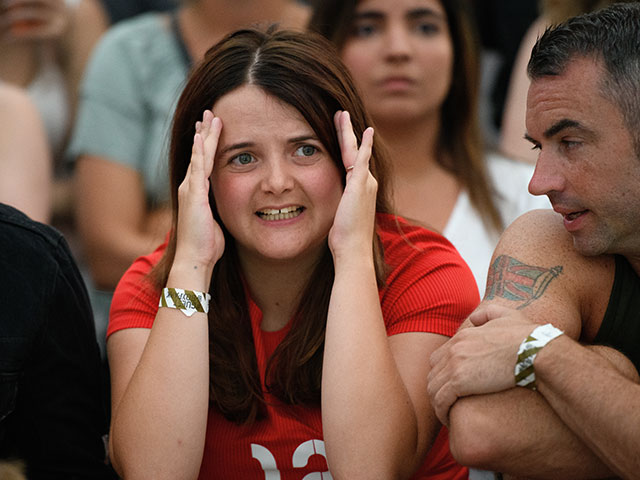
column 429, row 289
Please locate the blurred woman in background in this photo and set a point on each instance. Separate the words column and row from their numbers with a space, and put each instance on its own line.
column 416, row 65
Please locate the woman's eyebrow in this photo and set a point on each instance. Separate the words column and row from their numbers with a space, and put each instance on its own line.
column 369, row 15
column 302, row 138
column 424, row 12
column 411, row 14
column 236, row 146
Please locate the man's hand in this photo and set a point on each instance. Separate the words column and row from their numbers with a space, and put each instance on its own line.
column 478, row 360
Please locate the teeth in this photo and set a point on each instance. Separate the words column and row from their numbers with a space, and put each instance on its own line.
column 271, row 214
column 271, row 211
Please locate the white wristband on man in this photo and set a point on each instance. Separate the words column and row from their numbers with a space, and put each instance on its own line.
column 529, row 348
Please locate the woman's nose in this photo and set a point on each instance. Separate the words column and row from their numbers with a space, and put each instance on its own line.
column 278, row 177
column 398, row 43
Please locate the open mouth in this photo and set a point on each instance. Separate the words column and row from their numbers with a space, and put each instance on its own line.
column 271, row 214
column 574, row 215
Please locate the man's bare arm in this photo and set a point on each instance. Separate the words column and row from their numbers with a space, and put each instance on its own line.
column 597, row 402
column 516, row 431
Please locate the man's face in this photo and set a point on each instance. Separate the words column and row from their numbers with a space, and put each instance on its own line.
column 587, row 165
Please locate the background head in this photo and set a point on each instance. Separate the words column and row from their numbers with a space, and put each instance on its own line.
column 334, row 19
column 459, row 147
column 611, row 37
column 299, row 69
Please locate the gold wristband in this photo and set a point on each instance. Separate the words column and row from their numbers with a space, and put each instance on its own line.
column 529, row 348
column 187, row 301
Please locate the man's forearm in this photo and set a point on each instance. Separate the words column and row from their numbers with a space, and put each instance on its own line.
column 595, row 392
column 516, row 432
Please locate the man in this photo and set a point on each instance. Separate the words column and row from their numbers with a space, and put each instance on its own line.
column 579, row 413
column 52, row 406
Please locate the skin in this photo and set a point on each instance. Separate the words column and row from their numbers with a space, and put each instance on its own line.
column 579, row 430
column 579, row 131
column 246, row 182
column 31, row 31
column 25, row 166
column 401, row 58
column 273, row 169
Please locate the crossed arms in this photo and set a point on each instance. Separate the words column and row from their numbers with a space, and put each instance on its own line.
column 584, row 420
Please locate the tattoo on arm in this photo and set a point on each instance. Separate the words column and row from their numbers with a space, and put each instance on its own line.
column 511, row 279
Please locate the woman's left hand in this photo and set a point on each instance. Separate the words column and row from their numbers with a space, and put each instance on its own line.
column 353, row 224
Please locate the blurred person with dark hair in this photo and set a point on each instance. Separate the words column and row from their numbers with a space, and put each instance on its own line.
column 416, row 64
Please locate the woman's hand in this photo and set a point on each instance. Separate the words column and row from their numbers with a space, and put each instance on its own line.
column 22, row 20
column 353, row 224
column 200, row 242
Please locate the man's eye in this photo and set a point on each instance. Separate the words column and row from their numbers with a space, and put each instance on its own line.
column 569, row 144
column 242, row 159
column 306, row 150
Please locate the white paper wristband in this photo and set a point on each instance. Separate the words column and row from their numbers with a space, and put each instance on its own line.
column 529, row 348
column 187, row 301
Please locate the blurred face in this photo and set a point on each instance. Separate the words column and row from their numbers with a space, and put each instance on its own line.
column 275, row 187
column 400, row 54
column 587, row 165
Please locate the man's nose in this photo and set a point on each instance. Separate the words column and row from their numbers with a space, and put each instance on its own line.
column 547, row 176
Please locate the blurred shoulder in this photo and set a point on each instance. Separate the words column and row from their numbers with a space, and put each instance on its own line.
column 139, row 28
column 15, row 101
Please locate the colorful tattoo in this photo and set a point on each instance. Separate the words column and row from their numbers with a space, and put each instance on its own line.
column 511, row 279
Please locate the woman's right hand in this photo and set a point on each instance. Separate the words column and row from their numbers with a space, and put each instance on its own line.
column 200, row 241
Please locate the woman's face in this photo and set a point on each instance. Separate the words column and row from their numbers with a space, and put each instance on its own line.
column 400, row 54
column 275, row 186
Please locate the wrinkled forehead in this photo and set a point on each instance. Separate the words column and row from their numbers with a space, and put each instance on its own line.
column 575, row 94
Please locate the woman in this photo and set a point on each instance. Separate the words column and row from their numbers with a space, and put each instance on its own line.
column 323, row 312
column 119, row 142
column 415, row 64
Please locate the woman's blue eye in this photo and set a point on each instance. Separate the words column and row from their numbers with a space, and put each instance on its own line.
column 306, row 150
column 242, row 159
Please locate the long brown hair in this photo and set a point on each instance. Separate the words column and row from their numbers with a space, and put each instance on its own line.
column 304, row 71
column 461, row 149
